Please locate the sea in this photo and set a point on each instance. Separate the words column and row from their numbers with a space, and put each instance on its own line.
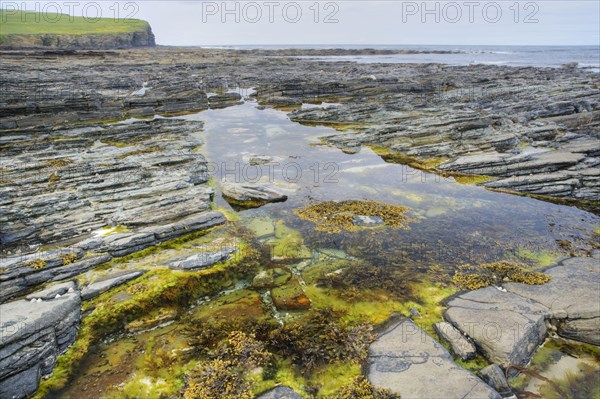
column 586, row 57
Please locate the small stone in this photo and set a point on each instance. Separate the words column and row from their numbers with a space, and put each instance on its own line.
column 495, row 378
column 460, row 345
column 263, row 279
column 367, row 221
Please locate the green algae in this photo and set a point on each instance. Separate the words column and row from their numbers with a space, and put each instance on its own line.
column 539, row 259
column 162, row 288
column 288, row 243
column 290, row 296
column 428, row 165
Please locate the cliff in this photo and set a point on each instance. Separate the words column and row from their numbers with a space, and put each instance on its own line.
column 29, row 30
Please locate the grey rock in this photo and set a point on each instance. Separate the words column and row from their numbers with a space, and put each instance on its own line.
column 507, row 328
column 22, row 384
column 461, row 346
column 202, row 260
column 252, row 192
column 571, row 293
column 407, row 361
column 53, row 290
column 264, row 279
column 99, row 287
column 32, row 335
column 586, row 330
column 368, row 221
column 494, row 377
column 280, row 393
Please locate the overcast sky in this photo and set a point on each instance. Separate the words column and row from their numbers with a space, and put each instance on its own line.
column 354, row 22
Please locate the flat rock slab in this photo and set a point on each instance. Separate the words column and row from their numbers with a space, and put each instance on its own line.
column 280, row 393
column 52, row 291
column 508, row 325
column 572, row 297
column 407, row 361
column 100, row 287
column 252, row 192
column 202, row 260
column 573, row 291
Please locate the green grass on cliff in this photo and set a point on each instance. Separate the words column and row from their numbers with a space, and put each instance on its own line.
column 33, row 23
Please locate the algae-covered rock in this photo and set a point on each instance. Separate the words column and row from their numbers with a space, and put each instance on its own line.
column 290, row 297
column 350, row 215
column 108, row 283
column 271, row 278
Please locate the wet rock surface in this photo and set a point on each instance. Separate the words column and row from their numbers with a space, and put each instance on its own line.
column 99, row 287
column 407, row 361
column 280, row 393
column 461, row 347
column 252, row 192
column 32, row 335
column 62, row 186
column 202, row 260
column 508, row 325
column 494, row 377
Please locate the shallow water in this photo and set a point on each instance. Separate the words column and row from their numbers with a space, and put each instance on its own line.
column 453, row 223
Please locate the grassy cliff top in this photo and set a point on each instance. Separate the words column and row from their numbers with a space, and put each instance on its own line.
column 33, row 23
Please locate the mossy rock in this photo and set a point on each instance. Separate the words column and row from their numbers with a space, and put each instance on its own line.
column 290, row 297
column 240, row 304
column 152, row 320
column 271, row 278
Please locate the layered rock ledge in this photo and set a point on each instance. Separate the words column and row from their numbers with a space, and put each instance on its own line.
column 97, row 192
column 32, row 335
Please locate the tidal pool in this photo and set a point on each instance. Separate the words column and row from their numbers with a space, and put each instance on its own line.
column 453, row 223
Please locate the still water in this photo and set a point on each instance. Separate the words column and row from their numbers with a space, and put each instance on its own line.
column 453, row 223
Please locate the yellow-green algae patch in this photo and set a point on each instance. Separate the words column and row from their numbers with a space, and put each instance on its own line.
column 427, row 165
column 335, row 216
column 539, row 259
column 287, row 243
column 475, row 277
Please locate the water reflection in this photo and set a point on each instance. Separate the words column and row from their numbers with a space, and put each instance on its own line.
column 454, row 223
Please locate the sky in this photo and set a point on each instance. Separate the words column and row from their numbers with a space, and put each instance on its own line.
column 354, row 22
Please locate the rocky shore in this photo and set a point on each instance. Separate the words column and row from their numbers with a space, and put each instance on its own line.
column 530, row 130
column 505, row 324
column 95, row 167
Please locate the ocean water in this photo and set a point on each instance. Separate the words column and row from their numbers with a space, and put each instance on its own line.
column 587, row 57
